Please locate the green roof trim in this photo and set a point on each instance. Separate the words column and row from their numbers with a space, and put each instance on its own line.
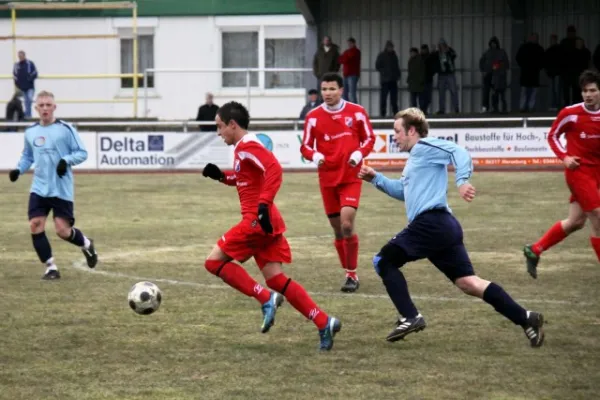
column 168, row 8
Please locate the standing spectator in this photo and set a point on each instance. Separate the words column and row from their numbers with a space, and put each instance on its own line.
column 350, row 59
column 14, row 111
column 530, row 58
column 313, row 101
column 596, row 59
column 430, row 71
column 25, row 74
column 416, row 79
column 581, row 62
column 568, row 75
column 552, row 65
column 388, row 66
column 326, row 59
column 494, row 65
column 446, row 75
column 208, row 112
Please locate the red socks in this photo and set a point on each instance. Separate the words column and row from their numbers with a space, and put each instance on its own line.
column 299, row 299
column 237, row 277
column 554, row 235
column 347, row 249
column 595, row 240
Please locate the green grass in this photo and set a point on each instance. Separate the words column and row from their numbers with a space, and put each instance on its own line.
column 78, row 339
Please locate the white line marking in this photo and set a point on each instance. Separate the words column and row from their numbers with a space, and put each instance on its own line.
column 82, row 266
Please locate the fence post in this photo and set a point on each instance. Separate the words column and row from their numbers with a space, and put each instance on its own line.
column 145, row 93
column 248, row 88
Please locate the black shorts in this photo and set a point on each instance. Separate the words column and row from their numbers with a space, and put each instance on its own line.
column 41, row 206
column 437, row 236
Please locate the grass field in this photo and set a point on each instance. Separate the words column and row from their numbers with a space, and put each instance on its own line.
column 78, row 339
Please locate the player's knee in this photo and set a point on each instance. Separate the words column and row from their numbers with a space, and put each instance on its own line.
column 214, row 266
column 35, row 225
column 389, row 257
column 471, row 285
column 347, row 228
column 63, row 232
column 577, row 223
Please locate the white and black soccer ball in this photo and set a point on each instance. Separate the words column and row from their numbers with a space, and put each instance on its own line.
column 144, row 298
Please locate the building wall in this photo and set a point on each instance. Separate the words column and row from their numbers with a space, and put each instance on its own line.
column 179, row 43
column 466, row 25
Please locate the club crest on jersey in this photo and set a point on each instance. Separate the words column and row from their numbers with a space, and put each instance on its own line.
column 349, row 122
column 326, row 137
column 39, row 141
column 236, row 165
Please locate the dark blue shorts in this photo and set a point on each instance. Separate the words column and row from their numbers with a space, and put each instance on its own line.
column 41, row 206
column 437, row 236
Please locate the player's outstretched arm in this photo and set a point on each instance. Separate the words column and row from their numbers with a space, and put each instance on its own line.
column 392, row 187
column 78, row 152
column 214, row 172
column 25, row 162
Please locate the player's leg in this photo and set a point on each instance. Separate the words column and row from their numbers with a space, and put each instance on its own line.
column 38, row 211
column 558, row 232
column 64, row 221
column 349, row 198
column 387, row 264
column 333, row 209
column 269, row 260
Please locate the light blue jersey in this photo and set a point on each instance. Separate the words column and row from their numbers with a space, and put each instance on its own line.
column 424, row 182
column 46, row 146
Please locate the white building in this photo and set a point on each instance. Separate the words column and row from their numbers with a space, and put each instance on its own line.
column 170, row 42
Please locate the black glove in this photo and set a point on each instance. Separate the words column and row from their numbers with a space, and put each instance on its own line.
column 14, row 175
column 263, row 218
column 213, row 172
column 61, row 169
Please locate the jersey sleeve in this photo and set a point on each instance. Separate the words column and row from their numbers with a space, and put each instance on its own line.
column 445, row 152
column 559, row 127
column 308, row 139
column 268, row 165
column 392, row 187
column 78, row 152
column 367, row 138
column 26, row 160
column 230, row 178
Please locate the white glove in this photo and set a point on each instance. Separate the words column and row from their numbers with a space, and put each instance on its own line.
column 318, row 158
column 355, row 158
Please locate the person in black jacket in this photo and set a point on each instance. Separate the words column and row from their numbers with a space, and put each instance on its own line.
column 431, row 64
column 207, row 112
column 530, row 58
column 388, row 66
column 14, row 110
column 313, row 101
column 552, row 66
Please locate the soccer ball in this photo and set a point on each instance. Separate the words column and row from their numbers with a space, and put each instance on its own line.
column 144, row 298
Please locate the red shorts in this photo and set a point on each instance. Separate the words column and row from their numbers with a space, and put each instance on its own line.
column 247, row 239
column 343, row 195
column 584, row 183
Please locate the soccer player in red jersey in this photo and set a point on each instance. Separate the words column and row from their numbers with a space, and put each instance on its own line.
column 258, row 176
column 337, row 137
column 581, row 125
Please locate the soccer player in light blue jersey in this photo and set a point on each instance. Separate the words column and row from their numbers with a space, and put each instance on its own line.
column 54, row 146
column 432, row 231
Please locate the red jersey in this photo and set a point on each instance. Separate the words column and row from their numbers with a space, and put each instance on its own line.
column 336, row 135
column 582, row 131
column 258, row 177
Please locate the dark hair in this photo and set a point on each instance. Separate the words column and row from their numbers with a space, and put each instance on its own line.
column 414, row 50
column 312, row 91
column 333, row 77
column 589, row 76
column 352, row 40
column 234, row 111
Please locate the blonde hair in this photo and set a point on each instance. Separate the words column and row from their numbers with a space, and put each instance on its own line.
column 45, row 93
column 414, row 117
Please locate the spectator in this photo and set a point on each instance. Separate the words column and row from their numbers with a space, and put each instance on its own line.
column 388, row 66
column 313, row 101
column 430, row 71
column 416, row 78
column 25, row 74
column 326, row 59
column 581, row 62
column 596, row 59
column 14, row 110
column 494, row 65
column 208, row 112
column 552, row 65
column 350, row 59
column 446, row 75
column 568, row 75
column 530, row 58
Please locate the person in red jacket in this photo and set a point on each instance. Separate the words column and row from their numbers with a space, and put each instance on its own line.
column 350, row 59
column 580, row 123
column 337, row 136
column 257, row 175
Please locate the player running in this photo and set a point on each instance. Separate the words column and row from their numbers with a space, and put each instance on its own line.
column 580, row 123
column 337, row 137
column 433, row 232
column 54, row 146
column 258, row 176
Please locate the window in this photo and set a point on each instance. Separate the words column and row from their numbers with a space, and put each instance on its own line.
column 284, row 53
column 240, row 50
column 145, row 59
